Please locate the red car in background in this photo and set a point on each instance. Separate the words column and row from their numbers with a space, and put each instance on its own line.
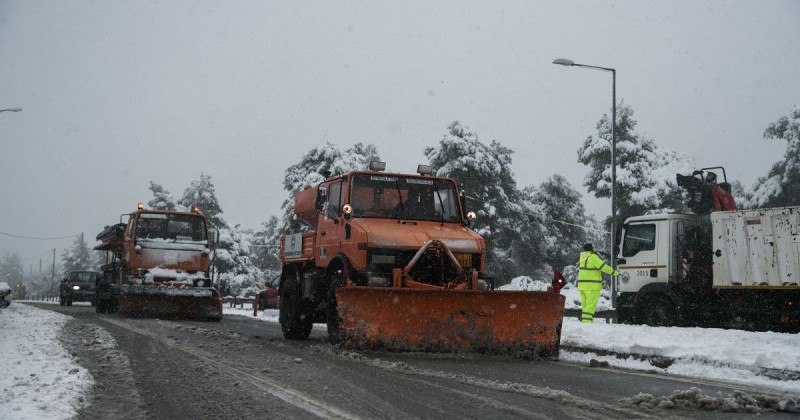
column 268, row 297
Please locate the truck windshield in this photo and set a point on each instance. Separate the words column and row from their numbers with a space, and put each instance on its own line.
column 171, row 227
column 404, row 197
column 83, row 277
column 639, row 238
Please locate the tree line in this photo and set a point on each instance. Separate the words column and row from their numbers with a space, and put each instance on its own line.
column 528, row 230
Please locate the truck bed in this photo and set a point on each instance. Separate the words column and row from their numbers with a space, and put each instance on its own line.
column 757, row 248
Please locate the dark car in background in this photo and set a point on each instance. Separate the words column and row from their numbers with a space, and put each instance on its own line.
column 268, row 297
column 79, row 286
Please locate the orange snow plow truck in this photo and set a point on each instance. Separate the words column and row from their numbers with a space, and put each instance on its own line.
column 390, row 264
column 157, row 265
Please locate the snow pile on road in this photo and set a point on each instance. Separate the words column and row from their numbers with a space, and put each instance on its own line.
column 736, row 402
column 38, row 378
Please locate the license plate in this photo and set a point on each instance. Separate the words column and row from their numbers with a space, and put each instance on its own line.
column 464, row 259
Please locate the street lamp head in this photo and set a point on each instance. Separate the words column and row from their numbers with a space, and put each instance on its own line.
column 564, row 62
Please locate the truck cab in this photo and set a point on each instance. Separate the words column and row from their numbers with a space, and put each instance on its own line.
column 372, row 222
column 651, row 263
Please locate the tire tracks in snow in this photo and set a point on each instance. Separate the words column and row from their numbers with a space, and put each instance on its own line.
column 274, row 388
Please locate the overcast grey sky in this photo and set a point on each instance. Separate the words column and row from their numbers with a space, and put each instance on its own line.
column 118, row 93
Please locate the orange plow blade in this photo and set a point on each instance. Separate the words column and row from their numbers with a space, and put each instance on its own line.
column 170, row 302
column 520, row 323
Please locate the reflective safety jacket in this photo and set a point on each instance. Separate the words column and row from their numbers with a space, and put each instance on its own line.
column 590, row 271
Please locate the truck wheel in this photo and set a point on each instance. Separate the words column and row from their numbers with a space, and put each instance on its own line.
column 113, row 306
column 61, row 300
column 101, row 306
column 331, row 310
column 658, row 312
column 69, row 301
column 295, row 318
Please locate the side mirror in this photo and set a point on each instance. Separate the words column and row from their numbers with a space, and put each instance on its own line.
column 213, row 239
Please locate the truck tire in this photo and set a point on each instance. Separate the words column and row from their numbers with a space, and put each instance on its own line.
column 294, row 316
column 331, row 310
column 658, row 312
column 101, row 306
column 61, row 300
column 69, row 301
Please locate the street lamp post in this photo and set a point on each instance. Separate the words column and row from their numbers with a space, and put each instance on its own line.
column 11, row 110
column 570, row 63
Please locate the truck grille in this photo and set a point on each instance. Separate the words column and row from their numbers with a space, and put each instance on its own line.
column 428, row 269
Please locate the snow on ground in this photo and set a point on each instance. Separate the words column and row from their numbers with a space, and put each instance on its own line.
column 755, row 359
column 38, row 378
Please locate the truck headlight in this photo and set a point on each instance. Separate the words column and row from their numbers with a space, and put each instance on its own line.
column 76, row 288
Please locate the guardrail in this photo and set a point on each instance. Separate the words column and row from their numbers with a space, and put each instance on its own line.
column 41, row 298
column 239, row 301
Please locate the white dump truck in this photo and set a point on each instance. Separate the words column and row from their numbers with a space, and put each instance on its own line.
column 732, row 269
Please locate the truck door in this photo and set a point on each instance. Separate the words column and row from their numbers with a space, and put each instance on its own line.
column 641, row 254
column 331, row 227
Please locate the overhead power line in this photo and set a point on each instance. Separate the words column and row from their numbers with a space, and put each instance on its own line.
column 38, row 238
column 545, row 218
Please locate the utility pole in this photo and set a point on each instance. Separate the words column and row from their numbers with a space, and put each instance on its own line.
column 53, row 273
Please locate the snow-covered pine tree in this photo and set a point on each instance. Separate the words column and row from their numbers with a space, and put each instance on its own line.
column 11, row 270
column 645, row 173
column 484, row 172
column 264, row 251
column 565, row 223
column 308, row 173
column 201, row 194
column 78, row 257
column 161, row 198
column 240, row 275
column 781, row 186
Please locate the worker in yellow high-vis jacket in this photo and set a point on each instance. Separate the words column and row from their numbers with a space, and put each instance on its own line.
column 590, row 281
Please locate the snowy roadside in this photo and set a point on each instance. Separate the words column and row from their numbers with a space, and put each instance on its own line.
column 38, row 377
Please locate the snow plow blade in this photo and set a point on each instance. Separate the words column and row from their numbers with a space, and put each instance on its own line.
column 519, row 323
column 170, row 302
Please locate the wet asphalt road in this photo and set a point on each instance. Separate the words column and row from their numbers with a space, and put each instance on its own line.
column 242, row 368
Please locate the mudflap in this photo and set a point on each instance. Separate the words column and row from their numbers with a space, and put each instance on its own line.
column 170, row 302
column 518, row 323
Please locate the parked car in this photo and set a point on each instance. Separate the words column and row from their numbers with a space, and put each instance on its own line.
column 79, row 286
column 268, row 297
